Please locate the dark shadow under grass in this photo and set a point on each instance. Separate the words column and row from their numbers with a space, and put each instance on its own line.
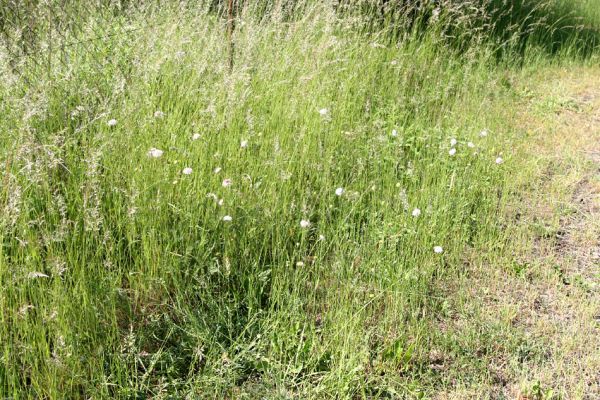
column 512, row 27
column 553, row 27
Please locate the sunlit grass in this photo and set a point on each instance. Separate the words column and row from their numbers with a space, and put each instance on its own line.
column 279, row 229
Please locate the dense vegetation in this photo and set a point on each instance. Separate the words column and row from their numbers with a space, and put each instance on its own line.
column 278, row 215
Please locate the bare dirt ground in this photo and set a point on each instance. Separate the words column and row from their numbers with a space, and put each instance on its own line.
column 538, row 300
column 556, row 300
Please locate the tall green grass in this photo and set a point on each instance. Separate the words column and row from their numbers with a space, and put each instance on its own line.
column 120, row 276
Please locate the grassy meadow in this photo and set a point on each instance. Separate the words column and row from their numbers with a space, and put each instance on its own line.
column 284, row 215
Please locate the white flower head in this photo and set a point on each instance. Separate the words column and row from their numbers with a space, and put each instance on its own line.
column 112, row 122
column 155, row 153
column 416, row 212
column 453, row 142
column 187, row 171
column 217, row 170
column 499, row 160
column 322, row 238
column 483, row 133
column 244, row 144
column 471, row 145
column 227, row 182
column 195, row 136
column 227, row 218
column 394, row 133
column 159, row 114
column 438, row 250
column 339, row 191
column 25, row 309
column 324, row 112
column 304, row 223
column 452, row 151
column 299, row 264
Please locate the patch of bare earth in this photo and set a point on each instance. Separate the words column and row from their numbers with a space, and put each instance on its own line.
column 558, row 302
column 546, row 289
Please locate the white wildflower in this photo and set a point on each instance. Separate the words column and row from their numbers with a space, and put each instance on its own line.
column 299, row 264
column 471, row 145
column 24, row 309
column 452, row 151
column 159, row 114
column 304, row 223
column 187, row 171
column 339, row 191
column 227, row 182
column 324, row 112
column 483, row 133
column 244, row 144
column 195, row 136
column 227, row 218
column 112, row 122
column 499, row 160
column 394, row 133
column 438, row 249
column 155, row 153
column 453, row 142
column 217, row 170
column 416, row 212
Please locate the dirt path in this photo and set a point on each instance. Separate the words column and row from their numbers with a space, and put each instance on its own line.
column 534, row 306
column 558, row 302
